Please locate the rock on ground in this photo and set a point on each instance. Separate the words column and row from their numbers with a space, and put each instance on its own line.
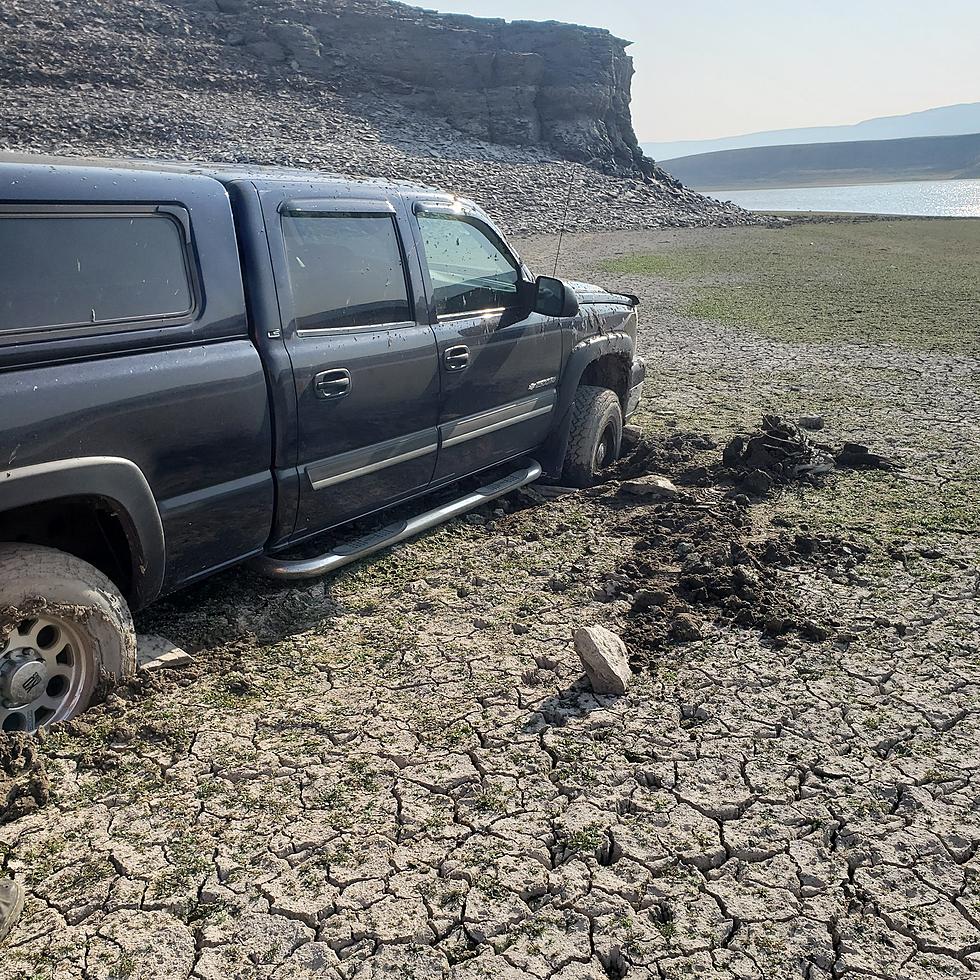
column 604, row 658
column 157, row 652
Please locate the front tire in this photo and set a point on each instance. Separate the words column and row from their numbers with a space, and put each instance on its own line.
column 63, row 625
column 595, row 436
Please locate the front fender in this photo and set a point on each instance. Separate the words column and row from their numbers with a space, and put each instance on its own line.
column 620, row 343
column 111, row 478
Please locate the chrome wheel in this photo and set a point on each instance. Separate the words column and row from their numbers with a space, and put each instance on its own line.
column 45, row 673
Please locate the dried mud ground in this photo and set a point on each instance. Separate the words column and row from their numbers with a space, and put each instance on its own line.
column 398, row 771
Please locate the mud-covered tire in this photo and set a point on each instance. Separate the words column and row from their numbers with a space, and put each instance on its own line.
column 595, row 436
column 63, row 627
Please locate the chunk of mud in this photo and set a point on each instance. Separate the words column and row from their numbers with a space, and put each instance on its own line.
column 632, row 437
column 854, row 456
column 781, row 450
column 733, row 452
column 603, row 655
column 746, row 579
column 24, row 785
column 650, row 599
column 757, row 483
column 812, row 422
column 685, row 628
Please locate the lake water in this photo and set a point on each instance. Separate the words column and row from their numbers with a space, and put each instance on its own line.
column 955, row 198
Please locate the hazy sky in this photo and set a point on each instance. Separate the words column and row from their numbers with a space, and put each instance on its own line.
column 709, row 68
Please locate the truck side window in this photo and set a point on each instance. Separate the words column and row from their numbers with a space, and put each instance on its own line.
column 64, row 270
column 345, row 270
column 471, row 271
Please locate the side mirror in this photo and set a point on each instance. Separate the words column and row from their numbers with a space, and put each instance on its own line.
column 553, row 298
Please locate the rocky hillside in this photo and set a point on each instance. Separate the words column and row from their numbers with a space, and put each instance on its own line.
column 511, row 114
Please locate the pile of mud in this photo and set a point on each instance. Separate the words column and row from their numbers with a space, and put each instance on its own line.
column 703, row 557
column 781, row 452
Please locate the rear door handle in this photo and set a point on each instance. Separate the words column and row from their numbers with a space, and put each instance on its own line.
column 456, row 358
column 332, row 384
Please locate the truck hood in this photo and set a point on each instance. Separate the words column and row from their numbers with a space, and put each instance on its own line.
column 589, row 294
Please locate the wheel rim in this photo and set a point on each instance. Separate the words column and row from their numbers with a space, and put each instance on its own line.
column 603, row 450
column 46, row 670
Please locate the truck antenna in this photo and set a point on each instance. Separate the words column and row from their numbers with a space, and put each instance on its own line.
column 564, row 218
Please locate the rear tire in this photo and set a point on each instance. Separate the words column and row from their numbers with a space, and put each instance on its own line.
column 63, row 626
column 595, row 436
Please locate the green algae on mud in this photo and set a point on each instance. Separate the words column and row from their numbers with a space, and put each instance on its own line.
column 914, row 283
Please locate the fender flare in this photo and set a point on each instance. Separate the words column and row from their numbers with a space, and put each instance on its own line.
column 552, row 455
column 112, row 478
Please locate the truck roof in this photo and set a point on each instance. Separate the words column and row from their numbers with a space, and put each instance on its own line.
column 225, row 173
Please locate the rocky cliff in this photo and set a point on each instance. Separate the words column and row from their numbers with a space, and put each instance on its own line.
column 511, row 114
column 522, row 83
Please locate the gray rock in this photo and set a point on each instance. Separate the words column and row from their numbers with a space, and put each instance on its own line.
column 603, row 655
column 11, row 905
column 812, row 422
column 655, row 486
column 157, row 652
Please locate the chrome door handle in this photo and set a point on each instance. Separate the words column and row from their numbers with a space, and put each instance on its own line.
column 456, row 358
column 332, row 384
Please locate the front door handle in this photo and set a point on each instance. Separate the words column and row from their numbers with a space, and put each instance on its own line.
column 332, row 384
column 456, row 358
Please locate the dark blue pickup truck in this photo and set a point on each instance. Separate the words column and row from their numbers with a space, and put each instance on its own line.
column 203, row 365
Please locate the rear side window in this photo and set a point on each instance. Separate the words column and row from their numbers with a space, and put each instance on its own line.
column 60, row 270
column 345, row 270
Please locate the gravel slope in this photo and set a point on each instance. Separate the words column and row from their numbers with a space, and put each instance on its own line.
column 157, row 79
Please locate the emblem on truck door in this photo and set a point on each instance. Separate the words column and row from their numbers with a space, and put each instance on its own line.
column 543, row 383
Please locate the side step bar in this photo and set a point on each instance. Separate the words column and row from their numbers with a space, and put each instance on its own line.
column 368, row 544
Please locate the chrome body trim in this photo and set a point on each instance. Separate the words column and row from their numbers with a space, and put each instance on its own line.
column 362, row 462
column 472, row 314
column 474, row 426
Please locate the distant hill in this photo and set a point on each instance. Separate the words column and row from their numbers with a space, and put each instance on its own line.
column 861, row 162
column 950, row 120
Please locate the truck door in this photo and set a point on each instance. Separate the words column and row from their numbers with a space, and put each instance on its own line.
column 365, row 368
column 499, row 365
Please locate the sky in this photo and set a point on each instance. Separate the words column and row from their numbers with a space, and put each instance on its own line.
column 712, row 68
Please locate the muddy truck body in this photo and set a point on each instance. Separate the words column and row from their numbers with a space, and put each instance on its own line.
column 202, row 366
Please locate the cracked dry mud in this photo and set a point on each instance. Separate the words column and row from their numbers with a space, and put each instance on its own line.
column 398, row 772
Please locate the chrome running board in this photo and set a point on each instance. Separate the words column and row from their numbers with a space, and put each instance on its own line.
column 368, row 544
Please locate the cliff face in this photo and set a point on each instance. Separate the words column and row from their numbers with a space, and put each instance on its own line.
column 523, row 83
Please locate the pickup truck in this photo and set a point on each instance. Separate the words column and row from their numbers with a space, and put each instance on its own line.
column 207, row 365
